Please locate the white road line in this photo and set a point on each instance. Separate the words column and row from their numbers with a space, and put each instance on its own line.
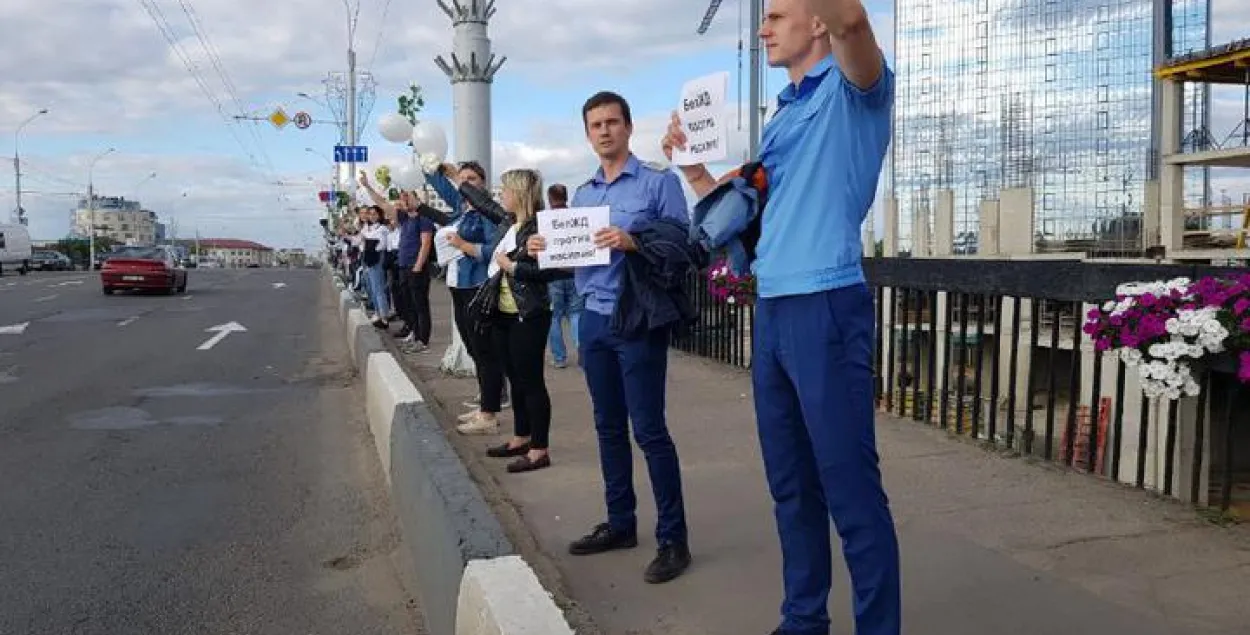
column 46, row 298
column 15, row 329
column 127, row 321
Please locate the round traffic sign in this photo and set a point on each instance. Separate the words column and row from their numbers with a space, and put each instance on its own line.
column 302, row 120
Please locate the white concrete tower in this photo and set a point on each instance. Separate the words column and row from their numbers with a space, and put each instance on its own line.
column 471, row 71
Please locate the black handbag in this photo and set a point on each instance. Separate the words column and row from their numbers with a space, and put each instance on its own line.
column 486, row 300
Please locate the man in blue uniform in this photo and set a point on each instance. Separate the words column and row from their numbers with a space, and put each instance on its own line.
column 812, row 370
column 626, row 375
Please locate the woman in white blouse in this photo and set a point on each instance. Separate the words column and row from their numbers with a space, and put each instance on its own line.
column 376, row 238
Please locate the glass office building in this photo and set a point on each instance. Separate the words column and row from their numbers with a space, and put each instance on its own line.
column 1050, row 94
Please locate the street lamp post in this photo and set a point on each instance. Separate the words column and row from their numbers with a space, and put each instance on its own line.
column 91, row 206
column 17, row 167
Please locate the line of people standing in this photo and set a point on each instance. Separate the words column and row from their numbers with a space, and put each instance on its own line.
column 812, row 373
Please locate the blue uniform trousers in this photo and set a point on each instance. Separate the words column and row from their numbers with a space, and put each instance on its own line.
column 813, row 380
column 626, row 379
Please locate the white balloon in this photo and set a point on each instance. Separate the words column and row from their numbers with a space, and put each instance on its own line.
column 406, row 176
column 395, row 128
column 429, row 139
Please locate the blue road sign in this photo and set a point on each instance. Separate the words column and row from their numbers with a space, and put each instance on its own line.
column 351, row 154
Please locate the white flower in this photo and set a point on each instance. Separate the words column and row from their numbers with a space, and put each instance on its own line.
column 1131, row 356
column 1173, row 325
column 731, row 300
column 1108, row 306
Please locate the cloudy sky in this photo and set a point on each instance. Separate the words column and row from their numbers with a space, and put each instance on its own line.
column 109, row 76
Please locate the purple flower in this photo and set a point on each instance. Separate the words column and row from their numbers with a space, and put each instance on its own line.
column 1102, row 344
column 1240, row 306
column 1243, row 368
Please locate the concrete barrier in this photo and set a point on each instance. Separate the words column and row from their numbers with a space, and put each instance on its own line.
column 468, row 578
column 502, row 596
column 386, row 387
column 368, row 340
column 446, row 521
column 356, row 319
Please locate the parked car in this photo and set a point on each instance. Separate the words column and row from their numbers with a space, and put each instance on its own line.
column 15, row 248
column 48, row 260
column 142, row 269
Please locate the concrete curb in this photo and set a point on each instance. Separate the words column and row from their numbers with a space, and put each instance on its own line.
column 503, row 597
column 468, row 579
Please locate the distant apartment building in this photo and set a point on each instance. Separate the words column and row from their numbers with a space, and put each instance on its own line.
column 230, row 252
column 1046, row 106
column 118, row 219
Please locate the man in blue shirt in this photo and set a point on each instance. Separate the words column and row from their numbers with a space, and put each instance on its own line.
column 626, row 376
column 812, row 368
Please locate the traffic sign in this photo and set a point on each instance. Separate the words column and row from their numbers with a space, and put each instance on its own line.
column 351, row 154
column 325, row 196
column 302, row 120
column 279, row 119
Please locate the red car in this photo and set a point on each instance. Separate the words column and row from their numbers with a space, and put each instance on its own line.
column 143, row 269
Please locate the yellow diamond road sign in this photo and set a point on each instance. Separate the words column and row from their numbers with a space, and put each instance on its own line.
column 279, row 119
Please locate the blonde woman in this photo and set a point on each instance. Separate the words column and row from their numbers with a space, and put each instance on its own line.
column 514, row 309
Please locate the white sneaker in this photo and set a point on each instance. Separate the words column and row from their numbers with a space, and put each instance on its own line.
column 468, row 416
column 479, row 425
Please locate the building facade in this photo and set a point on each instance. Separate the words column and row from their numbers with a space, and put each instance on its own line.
column 1050, row 96
column 232, row 253
column 118, row 219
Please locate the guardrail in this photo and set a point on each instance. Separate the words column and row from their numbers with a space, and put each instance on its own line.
column 993, row 350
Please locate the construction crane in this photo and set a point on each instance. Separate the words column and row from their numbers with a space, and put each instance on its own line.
column 756, row 75
column 707, row 17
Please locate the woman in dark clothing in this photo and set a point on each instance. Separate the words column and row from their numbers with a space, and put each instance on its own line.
column 514, row 307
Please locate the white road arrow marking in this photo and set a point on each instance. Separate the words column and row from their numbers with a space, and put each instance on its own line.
column 279, row 285
column 127, row 321
column 222, row 331
column 45, row 298
column 16, row 329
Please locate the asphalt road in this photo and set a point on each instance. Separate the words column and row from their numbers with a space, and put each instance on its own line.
column 148, row 486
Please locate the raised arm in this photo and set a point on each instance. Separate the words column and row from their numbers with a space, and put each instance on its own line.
column 854, row 45
column 483, row 203
column 445, row 189
column 381, row 201
column 437, row 217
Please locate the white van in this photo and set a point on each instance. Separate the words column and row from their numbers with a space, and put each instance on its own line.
column 15, row 251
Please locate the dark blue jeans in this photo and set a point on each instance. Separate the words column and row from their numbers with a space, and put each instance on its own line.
column 812, row 374
column 626, row 379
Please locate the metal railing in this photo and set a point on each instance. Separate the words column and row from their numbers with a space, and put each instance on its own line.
column 993, row 350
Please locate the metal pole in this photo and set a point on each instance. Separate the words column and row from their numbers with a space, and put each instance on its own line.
column 351, row 118
column 17, row 167
column 757, row 11
column 91, row 207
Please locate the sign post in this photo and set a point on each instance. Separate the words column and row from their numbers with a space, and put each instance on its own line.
column 351, row 154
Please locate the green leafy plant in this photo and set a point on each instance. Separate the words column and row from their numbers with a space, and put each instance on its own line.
column 411, row 104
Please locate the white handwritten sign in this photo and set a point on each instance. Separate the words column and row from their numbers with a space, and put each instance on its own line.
column 702, row 115
column 570, row 235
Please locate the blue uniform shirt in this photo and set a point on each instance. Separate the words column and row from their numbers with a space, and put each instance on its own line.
column 641, row 193
column 823, row 152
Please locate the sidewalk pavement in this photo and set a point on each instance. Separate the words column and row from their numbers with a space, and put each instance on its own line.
column 990, row 544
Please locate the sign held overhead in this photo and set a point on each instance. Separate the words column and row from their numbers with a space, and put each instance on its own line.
column 702, row 115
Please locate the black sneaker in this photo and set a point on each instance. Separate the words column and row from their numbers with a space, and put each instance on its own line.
column 670, row 561
column 603, row 538
column 404, row 332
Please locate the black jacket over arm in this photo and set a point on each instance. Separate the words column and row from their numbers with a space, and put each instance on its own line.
column 653, row 284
